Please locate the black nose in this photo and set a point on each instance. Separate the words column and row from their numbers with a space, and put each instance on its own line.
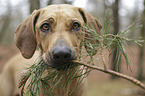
column 61, row 54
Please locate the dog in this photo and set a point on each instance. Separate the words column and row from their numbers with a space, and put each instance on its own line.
column 57, row 32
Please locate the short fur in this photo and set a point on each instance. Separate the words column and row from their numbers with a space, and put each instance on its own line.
column 28, row 36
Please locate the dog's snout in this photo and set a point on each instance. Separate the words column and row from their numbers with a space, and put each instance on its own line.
column 61, row 54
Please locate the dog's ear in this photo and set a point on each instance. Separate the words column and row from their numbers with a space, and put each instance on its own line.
column 92, row 23
column 25, row 38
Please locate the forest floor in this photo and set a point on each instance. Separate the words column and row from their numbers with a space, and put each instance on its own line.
column 99, row 84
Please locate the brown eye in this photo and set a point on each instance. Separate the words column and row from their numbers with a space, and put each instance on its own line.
column 76, row 26
column 45, row 27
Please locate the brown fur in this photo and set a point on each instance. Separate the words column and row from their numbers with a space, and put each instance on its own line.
column 28, row 35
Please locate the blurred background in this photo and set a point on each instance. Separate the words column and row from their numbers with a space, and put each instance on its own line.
column 124, row 12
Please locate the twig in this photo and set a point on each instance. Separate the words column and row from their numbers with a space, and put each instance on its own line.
column 102, row 54
column 131, row 79
column 103, row 60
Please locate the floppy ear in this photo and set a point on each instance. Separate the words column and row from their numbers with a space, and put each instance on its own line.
column 25, row 38
column 92, row 23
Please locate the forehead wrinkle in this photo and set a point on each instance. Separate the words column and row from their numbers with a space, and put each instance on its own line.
column 60, row 12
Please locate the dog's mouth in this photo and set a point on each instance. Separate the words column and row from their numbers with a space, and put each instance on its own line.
column 60, row 64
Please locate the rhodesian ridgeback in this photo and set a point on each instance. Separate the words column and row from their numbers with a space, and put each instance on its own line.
column 57, row 32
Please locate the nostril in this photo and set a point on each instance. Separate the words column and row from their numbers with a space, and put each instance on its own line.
column 56, row 57
column 62, row 56
column 67, row 56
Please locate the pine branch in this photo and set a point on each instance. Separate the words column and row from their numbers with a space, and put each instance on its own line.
column 126, row 77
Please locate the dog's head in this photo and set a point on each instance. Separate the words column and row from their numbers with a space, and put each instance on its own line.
column 57, row 31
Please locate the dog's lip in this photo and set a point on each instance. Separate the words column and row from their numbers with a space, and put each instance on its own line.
column 59, row 65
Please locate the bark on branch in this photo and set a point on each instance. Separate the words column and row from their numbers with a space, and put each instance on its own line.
column 131, row 79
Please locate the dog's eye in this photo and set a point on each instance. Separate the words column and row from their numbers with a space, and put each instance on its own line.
column 76, row 26
column 45, row 27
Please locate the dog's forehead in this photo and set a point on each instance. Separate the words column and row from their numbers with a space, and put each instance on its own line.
column 59, row 11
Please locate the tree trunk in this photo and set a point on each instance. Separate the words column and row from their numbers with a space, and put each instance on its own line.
column 4, row 27
column 115, row 9
column 50, row 2
column 141, row 54
column 34, row 5
column 116, row 16
column 61, row 2
column 58, row 1
column 6, row 21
